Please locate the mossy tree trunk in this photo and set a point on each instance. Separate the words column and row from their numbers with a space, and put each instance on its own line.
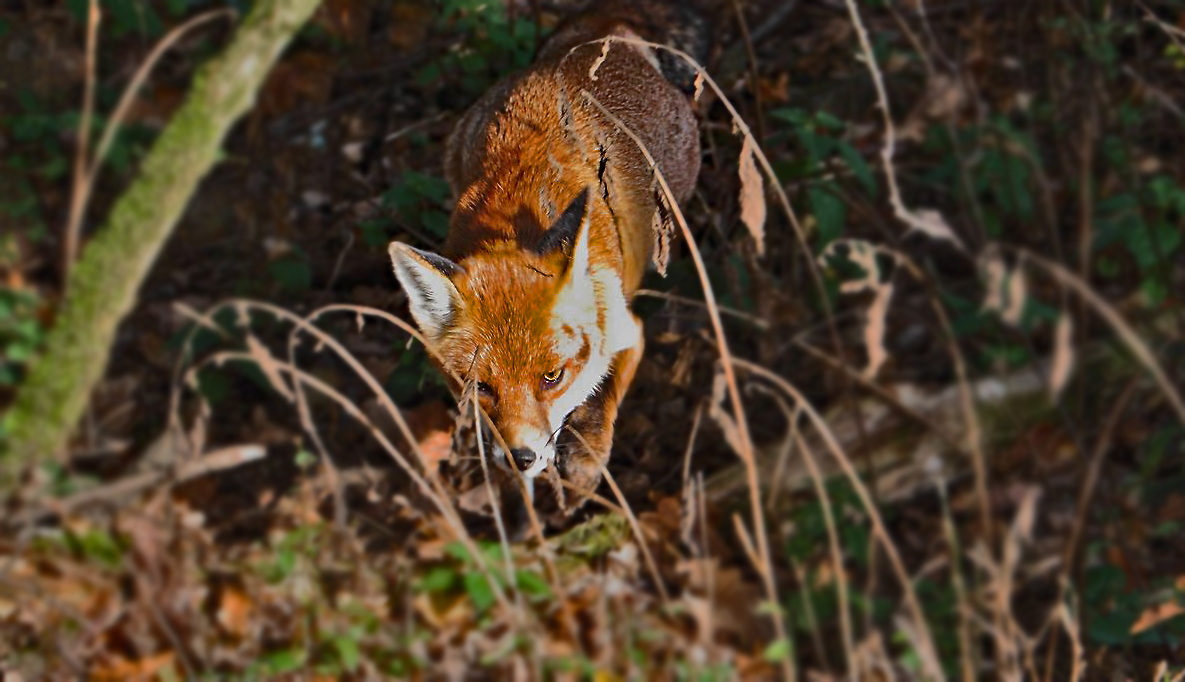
column 103, row 286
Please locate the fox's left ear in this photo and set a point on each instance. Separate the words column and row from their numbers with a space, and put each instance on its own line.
column 426, row 277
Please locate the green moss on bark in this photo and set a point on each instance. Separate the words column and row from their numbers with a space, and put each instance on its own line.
column 104, row 284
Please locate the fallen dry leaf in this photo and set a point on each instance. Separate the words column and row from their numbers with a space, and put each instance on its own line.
column 1155, row 615
column 1063, row 355
column 752, row 196
column 931, row 223
column 235, row 611
column 592, row 70
column 1018, row 288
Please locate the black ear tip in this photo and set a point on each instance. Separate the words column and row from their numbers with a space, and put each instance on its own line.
column 567, row 225
column 443, row 265
column 579, row 205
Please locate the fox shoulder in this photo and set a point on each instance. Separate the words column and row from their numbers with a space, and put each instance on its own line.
column 653, row 102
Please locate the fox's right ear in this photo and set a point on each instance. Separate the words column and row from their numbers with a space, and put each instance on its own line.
column 426, row 279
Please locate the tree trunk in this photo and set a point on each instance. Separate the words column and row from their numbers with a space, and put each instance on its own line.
column 102, row 288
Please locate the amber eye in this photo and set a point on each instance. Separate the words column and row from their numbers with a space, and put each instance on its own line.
column 484, row 389
column 553, row 377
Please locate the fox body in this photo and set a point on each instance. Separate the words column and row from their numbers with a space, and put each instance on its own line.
column 529, row 304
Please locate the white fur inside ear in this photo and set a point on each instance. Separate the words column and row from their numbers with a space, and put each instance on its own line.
column 432, row 296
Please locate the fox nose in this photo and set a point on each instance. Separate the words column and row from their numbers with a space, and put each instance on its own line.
column 523, row 458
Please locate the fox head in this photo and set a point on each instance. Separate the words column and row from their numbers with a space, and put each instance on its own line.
column 532, row 330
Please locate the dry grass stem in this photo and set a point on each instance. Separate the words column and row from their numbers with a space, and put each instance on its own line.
column 837, row 559
column 1106, row 311
column 703, row 76
column 926, row 649
column 639, row 536
column 927, row 221
column 84, row 173
column 430, row 485
column 734, row 393
column 966, row 636
column 81, row 189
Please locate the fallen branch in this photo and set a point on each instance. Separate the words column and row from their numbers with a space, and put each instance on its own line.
column 121, row 491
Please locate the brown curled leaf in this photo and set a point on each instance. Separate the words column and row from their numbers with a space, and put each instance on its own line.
column 752, row 196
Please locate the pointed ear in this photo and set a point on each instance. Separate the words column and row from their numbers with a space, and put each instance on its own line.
column 426, row 279
column 565, row 228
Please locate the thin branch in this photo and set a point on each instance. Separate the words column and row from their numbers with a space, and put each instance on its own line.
column 81, row 189
column 928, row 224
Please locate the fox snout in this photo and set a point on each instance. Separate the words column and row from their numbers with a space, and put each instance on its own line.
column 523, row 458
column 530, row 449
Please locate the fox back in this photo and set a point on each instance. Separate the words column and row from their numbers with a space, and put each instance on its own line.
column 553, row 230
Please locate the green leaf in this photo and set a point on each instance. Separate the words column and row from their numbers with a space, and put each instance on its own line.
column 830, row 214
column 282, row 566
column 435, row 222
column 777, row 651
column 818, row 147
column 177, row 8
column 374, row 231
column 305, row 459
column 430, row 187
column 459, row 551
column 293, row 274
column 858, row 165
column 348, row 651
column 213, row 385
column 439, row 579
column 795, row 117
column 283, row 661
column 102, row 547
column 532, row 584
column 479, row 590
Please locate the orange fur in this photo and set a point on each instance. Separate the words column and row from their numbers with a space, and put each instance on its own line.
column 550, row 238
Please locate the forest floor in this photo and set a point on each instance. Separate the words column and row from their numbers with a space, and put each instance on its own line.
column 960, row 363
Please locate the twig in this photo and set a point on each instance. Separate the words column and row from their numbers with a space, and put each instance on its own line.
column 306, row 418
column 430, row 485
column 85, row 174
column 412, row 127
column 341, row 258
column 754, row 75
column 925, row 224
column 80, row 189
column 699, row 413
column 498, row 522
column 761, row 324
column 123, row 490
column 966, row 660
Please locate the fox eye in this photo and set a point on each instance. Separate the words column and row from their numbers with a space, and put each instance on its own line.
column 550, row 379
column 484, row 389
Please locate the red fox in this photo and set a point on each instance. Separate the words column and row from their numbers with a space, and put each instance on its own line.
column 552, row 233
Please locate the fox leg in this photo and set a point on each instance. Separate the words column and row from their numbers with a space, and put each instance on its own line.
column 593, row 420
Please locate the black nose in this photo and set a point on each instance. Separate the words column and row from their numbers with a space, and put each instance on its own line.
column 523, row 458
